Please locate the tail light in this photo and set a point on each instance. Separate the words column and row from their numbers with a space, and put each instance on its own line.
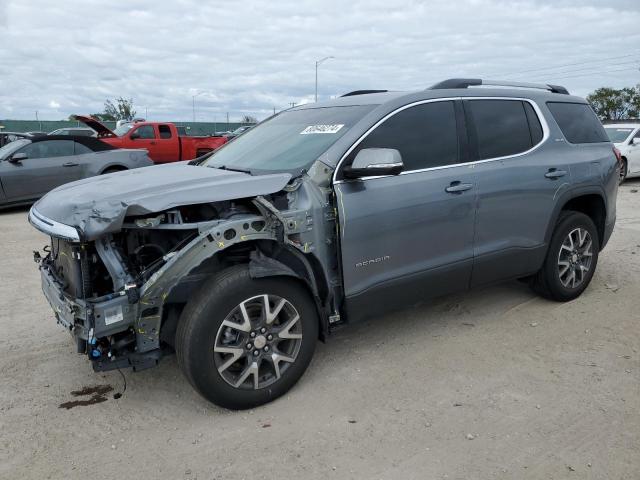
column 618, row 155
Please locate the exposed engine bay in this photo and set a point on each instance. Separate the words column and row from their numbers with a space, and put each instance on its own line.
column 121, row 294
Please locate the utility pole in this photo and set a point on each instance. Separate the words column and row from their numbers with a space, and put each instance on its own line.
column 193, row 104
column 319, row 62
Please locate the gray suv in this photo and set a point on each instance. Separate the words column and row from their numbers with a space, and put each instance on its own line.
column 323, row 215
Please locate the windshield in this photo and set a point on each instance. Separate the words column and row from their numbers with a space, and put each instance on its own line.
column 11, row 147
column 123, row 129
column 290, row 141
column 618, row 135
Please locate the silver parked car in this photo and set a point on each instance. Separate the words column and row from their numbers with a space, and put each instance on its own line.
column 30, row 167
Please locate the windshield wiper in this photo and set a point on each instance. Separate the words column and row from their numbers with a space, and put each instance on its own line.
column 235, row 169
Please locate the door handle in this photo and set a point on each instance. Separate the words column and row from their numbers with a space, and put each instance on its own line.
column 458, row 187
column 70, row 164
column 555, row 173
column 152, row 142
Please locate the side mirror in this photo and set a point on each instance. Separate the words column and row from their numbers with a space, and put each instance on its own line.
column 372, row 162
column 18, row 157
column 134, row 135
column 635, row 141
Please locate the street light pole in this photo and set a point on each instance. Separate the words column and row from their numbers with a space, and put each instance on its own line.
column 193, row 104
column 319, row 62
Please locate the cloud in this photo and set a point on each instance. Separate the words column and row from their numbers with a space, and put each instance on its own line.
column 257, row 56
column 54, row 105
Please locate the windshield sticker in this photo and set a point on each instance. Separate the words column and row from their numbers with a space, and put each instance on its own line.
column 322, row 129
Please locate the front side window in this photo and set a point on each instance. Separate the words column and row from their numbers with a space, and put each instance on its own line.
column 502, row 127
column 425, row 135
column 578, row 122
column 146, row 132
column 49, row 149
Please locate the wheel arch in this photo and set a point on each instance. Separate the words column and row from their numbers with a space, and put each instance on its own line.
column 265, row 258
column 113, row 167
column 590, row 201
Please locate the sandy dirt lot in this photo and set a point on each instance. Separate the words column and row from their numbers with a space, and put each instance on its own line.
column 496, row 383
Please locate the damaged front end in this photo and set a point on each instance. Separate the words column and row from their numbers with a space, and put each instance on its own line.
column 120, row 292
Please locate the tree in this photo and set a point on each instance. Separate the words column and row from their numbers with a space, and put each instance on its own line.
column 248, row 119
column 121, row 110
column 614, row 104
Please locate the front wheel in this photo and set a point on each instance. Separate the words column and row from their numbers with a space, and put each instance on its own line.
column 243, row 342
column 571, row 259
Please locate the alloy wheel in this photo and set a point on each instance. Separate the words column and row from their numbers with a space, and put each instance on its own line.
column 575, row 258
column 257, row 342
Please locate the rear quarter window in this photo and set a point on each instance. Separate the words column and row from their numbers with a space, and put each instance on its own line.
column 578, row 122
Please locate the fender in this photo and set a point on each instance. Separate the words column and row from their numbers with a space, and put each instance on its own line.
column 564, row 198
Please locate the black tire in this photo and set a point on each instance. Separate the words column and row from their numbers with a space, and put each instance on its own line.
column 548, row 281
column 623, row 170
column 200, row 329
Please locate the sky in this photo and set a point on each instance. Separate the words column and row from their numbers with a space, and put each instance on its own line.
column 251, row 57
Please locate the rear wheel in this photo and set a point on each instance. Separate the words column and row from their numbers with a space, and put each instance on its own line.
column 243, row 342
column 623, row 170
column 571, row 259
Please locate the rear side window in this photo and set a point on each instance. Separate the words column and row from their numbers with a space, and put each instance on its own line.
column 578, row 122
column 425, row 135
column 80, row 149
column 501, row 127
column 165, row 131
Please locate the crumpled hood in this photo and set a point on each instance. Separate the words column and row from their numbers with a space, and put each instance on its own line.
column 98, row 205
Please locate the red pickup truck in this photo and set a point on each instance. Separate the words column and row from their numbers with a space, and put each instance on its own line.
column 161, row 139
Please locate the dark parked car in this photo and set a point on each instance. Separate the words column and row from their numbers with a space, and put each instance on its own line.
column 326, row 214
column 30, row 167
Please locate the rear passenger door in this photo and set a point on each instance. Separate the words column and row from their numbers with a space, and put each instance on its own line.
column 518, row 182
column 409, row 237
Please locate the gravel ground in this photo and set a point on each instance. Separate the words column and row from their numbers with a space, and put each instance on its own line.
column 496, row 383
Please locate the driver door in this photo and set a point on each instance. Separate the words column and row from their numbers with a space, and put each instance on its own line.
column 144, row 137
column 407, row 237
column 42, row 170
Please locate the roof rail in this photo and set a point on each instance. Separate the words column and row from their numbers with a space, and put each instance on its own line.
column 475, row 82
column 362, row 92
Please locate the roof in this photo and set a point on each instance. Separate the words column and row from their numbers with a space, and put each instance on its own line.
column 476, row 88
